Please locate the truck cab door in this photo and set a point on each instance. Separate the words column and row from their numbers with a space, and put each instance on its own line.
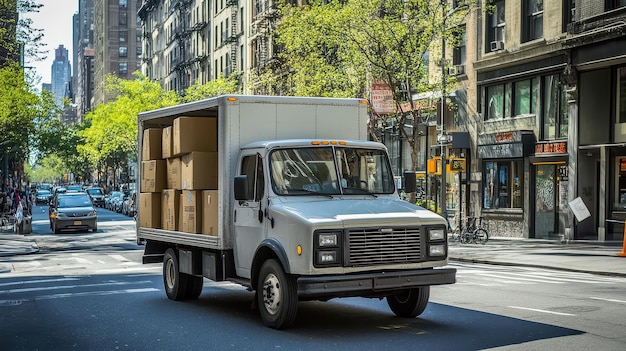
column 248, row 216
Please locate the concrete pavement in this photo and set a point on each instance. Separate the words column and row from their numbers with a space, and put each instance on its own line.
column 590, row 257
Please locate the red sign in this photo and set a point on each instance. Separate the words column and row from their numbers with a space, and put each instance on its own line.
column 382, row 98
column 551, row 148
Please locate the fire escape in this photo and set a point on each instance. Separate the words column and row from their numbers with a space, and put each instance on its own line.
column 261, row 30
column 233, row 38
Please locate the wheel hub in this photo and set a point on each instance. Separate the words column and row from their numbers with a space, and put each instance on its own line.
column 271, row 293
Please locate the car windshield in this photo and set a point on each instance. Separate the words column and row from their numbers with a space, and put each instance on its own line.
column 74, row 201
column 330, row 171
column 43, row 192
column 94, row 191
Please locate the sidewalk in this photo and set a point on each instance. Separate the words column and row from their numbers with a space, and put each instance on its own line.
column 589, row 257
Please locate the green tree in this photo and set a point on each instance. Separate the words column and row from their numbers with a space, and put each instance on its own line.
column 219, row 86
column 16, row 115
column 111, row 134
column 337, row 48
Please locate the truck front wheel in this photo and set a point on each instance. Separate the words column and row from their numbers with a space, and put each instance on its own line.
column 175, row 283
column 277, row 296
column 409, row 303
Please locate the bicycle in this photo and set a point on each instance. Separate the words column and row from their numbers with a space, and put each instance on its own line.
column 474, row 232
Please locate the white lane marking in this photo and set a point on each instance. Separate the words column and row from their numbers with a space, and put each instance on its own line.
column 58, row 287
column 608, row 300
column 82, row 260
column 518, row 278
column 39, row 281
column 542, row 311
column 119, row 258
column 80, row 294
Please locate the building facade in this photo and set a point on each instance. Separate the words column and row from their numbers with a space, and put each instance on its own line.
column 117, row 43
column 545, row 88
column 83, row 57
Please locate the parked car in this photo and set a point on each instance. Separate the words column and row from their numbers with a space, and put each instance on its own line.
column 73, row 211
column 128, row 206
column 43, row 197
column 115, row 197
column 97, row 196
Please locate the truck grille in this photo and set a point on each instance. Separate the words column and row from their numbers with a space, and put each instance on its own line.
column 384, row 246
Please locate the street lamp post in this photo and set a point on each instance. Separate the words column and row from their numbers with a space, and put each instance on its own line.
column 441, row 138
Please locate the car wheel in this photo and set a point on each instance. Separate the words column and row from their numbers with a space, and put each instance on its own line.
column 55, row 229
column 94, row 229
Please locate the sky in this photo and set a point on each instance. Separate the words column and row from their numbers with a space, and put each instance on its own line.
column 55, row 18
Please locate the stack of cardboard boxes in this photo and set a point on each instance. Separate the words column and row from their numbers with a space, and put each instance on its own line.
column 187, row 201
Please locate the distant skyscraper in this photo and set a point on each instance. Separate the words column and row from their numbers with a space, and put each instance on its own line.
column 61, row 75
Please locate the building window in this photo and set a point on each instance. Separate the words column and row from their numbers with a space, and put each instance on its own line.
column 495, row 26
column 495, row 102
column 614, row 4
column 532, row 20
column 123, row 51
column 526, row 93
column 502, row 184
column 569, row 13
column 123, row 3
column 123, row 18
column 139, row 51
column 123, row 36
column 554, row 117
column 458, row 53
column 123, row 68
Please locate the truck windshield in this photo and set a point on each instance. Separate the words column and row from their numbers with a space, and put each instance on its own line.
column 330, row 171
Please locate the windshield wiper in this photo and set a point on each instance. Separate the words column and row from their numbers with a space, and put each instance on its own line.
column 358, row 191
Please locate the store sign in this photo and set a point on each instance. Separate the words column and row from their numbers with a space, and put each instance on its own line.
column 551, row 148
column 511, row 150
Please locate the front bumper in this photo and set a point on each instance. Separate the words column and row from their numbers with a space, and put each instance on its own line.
column 371, row 284
column 78, row 223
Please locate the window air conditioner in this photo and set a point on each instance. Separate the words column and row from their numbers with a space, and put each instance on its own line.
column 452, row 71
column 460, row 69
column 497, row 45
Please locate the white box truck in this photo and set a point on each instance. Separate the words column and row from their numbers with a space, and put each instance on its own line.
column 307, row 209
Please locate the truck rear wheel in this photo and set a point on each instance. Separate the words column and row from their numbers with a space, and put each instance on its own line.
column 409, row 303
column 277, row 296
column 175, row 283
column 194, row 286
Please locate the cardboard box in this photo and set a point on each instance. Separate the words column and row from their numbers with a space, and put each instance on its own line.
column 194, row 134
column 209, row 212
column 190, row 212
column 150, row 210
column 170, row 206
column 153, row 177
column 199, row 171
column 173, row 173
column 151, row 145
column 166, row 142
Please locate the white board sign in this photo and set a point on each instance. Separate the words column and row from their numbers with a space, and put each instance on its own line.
column 579, row 209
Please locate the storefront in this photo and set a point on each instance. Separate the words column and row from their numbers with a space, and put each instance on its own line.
column 504, row 176
column 549, row 190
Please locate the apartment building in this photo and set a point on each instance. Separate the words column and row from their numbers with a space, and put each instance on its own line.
column 542, row 95
column 117, row 43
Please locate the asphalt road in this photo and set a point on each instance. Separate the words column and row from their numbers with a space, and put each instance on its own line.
column 89, row 291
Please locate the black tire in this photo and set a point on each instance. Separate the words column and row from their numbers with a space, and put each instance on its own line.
column 194, row 286
column 409, row 303
column 55, row 229
column 277, row 296
column 174, row 282
column 94, row 229
column 482, row 236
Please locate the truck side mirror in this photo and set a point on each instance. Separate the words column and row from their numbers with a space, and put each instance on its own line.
column 241, row 187
column 410, row 184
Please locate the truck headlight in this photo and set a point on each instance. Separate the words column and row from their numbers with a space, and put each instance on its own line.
column 437, row 250
column 327, row 257
column 329, row 239
column 436, row 234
